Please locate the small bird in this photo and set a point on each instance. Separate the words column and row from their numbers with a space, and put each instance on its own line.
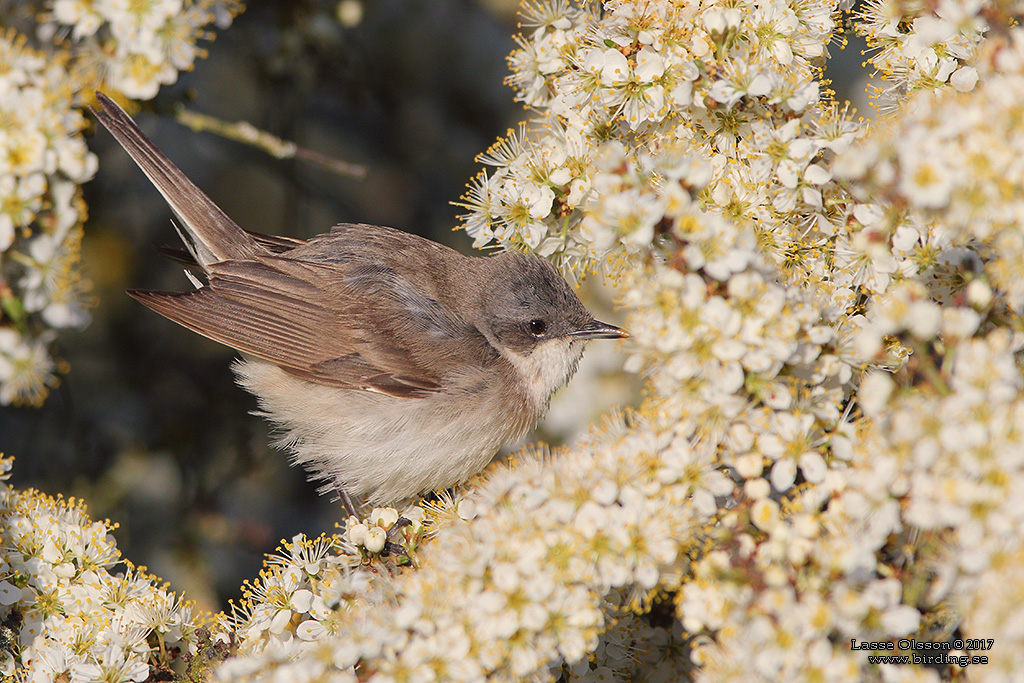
column 391, row 366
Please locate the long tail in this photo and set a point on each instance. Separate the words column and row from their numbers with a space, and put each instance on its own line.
column 212, row 236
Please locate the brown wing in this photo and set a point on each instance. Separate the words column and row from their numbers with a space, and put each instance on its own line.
column 311, row 320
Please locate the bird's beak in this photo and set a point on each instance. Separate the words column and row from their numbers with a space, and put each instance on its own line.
column 598, row 330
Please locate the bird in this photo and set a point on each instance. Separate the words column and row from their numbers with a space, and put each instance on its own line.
column 390, row 366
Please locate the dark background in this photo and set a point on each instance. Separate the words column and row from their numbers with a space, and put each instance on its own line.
column 148, row 427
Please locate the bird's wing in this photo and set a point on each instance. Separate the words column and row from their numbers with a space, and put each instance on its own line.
column 312, row 320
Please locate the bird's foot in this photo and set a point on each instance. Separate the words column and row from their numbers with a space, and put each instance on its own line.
column 383, row 535
column 397, row 549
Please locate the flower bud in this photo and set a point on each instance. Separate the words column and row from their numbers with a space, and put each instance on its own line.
column 375, row 539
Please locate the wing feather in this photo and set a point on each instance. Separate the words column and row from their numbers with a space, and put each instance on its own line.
column 310, row 319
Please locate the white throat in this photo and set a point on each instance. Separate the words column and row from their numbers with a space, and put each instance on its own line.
column 550, row 365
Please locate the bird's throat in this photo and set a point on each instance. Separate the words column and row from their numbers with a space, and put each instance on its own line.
column 545, row 369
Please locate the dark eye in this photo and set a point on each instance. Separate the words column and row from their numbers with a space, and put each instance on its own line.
column 538, row 327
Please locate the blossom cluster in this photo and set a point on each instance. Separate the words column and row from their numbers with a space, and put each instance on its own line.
column 825, row 315
column 295, row 603
column 128, row 49
column 828, row 319
column 678, row 81
column 133, row 48
column 921, row 47
column 475, row 608
column 43, row 161
column 77, row 615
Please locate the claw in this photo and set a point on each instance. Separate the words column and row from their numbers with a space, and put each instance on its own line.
column 396, row 548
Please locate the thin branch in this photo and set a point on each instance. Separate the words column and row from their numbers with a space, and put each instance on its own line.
column 245, row 132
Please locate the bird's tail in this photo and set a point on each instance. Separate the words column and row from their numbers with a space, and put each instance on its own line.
column 208, row 233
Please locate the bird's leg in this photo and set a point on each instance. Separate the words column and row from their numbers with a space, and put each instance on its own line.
column 396, row 548
column 398, row 526
column 349, row 505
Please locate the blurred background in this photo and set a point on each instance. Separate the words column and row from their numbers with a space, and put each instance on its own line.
column 148, row 426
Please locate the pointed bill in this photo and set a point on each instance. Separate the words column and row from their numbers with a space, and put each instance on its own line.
column 595, row 329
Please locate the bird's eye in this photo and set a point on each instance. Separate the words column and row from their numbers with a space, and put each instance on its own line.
column 538, row 327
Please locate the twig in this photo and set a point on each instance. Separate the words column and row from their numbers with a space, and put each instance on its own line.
column 243, row 131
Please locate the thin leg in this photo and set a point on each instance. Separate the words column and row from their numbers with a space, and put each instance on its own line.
column 349, row 505
column 397, row 547
column 398, row 526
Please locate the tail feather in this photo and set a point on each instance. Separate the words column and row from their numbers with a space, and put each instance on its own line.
column 275, row 244
column 212, row 236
